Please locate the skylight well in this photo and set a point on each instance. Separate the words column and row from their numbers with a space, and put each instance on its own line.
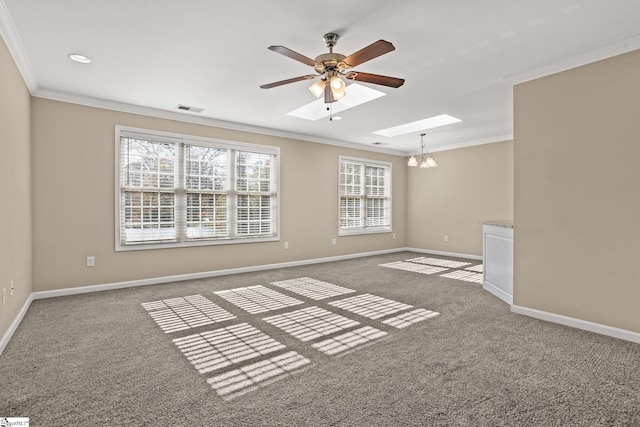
column 420, row 125
column 317, row 110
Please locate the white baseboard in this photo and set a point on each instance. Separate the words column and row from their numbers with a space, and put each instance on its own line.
column 215, row 273
column 167, row 279
column 14, row 325
column 578, row 323
column 201, row 275
column 493, row 289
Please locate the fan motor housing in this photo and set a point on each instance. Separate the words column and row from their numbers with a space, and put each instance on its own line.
column 330, row 58
column 329, row 61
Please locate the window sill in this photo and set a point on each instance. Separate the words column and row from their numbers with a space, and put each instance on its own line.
column 360, row 231
column 197, row 243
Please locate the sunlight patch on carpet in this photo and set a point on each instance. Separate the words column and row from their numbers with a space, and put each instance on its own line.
column 477, row 268
column 258, row 299
column 439, row 262
column 312, row 288
column 213, row 350
column 467, row 276
column 414, row 267
column 424, row 265
column 239, row 381
column 240, row 358
column 370, row 306
column 178, row 314
column 348, row 340
column 311, row 323
column 407, row 319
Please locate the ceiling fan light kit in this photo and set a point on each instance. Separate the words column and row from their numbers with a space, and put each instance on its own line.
column 330, row 67
column 317, row 88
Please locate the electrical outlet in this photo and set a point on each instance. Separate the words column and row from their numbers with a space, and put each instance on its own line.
column 394, row 236
column 286, row 245
column 91, row 261
column 446, row 237
column 333, row 241
column 13, row 288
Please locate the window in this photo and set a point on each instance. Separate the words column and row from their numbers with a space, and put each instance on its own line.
column 175, row 190
column 365, row 196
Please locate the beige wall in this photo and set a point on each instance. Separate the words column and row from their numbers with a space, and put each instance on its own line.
column 577, row 197
column 15, row 175
column 469, row 185
column 577, row 186
column 73, row 197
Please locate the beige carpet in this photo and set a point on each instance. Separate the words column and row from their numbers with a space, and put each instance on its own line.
column 349, row 343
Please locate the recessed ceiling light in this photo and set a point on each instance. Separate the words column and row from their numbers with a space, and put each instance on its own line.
column 356, row 95
column 79, row 58
column 424, row 124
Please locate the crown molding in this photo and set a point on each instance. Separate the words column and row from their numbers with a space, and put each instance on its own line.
column 614, row 49
column 207, row 121
column 471, row 143
column 16, row 49
column 200, row 120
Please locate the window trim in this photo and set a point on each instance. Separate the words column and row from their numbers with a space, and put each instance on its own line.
column 364, row 229
column 171, row 137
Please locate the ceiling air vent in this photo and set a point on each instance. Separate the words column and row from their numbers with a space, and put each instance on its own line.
column 188, row 108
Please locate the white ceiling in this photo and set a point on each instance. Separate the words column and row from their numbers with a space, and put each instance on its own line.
column 458, row 57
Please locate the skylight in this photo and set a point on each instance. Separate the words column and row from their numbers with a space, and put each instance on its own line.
column 356, row 95
column 424, row 124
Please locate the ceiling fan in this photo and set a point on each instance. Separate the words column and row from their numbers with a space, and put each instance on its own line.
column 331, row 66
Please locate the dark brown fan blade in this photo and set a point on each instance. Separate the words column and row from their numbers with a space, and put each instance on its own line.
column 372, row 51
column 293, row 55
column 284, row 82
column 375, row 79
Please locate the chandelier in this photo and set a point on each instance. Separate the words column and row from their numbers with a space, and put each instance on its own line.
column 424, row 161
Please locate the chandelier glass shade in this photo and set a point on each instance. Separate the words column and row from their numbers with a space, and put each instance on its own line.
column 424, row 161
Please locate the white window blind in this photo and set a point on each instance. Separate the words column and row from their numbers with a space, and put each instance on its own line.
column 365, row 196
column 174, row 190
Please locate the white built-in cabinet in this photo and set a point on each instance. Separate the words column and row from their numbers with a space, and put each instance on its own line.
column 497, row 257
